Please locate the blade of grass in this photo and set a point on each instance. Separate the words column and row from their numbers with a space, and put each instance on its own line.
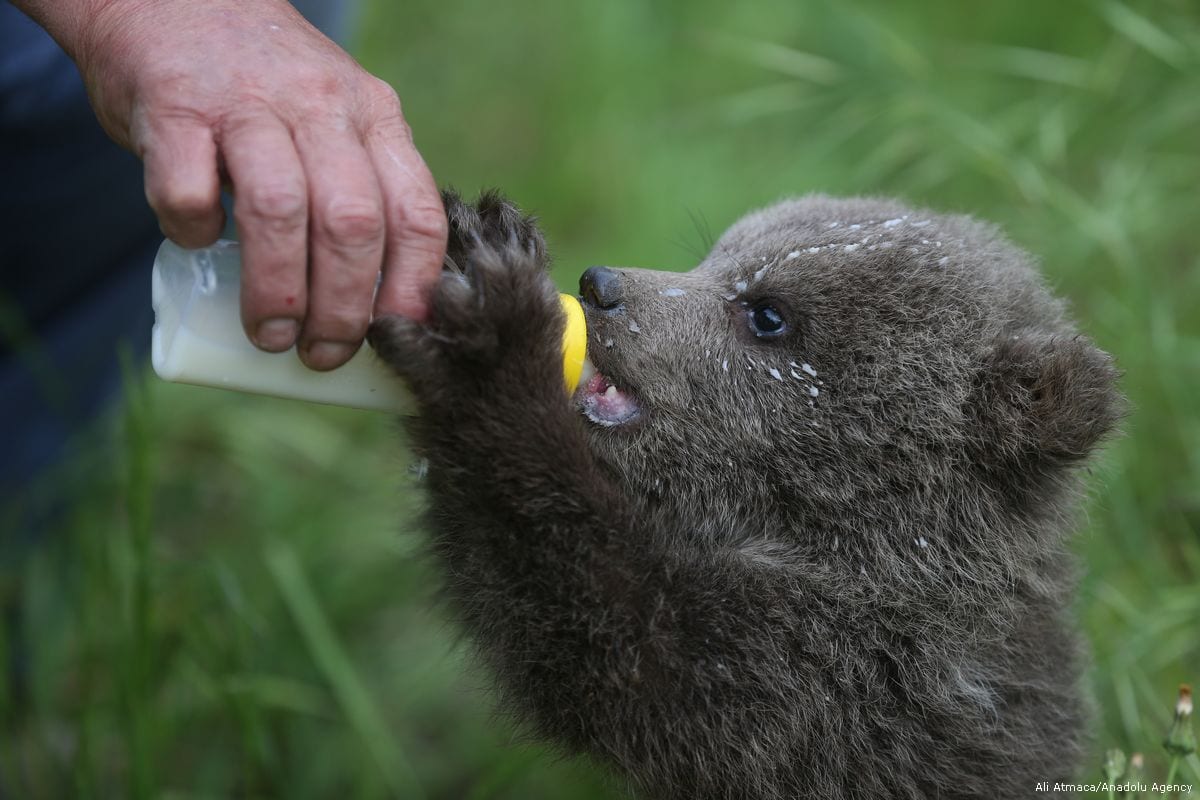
column 137, row 675
column 877, row 34
column 1141, row 31
column 329, row 656
column 1037, row 65
column 761, row 101
column 92, row 575
column 777, row 58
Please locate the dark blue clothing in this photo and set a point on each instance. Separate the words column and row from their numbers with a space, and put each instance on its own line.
column 76, row 241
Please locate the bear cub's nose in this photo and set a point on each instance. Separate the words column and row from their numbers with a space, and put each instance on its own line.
column 601, row 287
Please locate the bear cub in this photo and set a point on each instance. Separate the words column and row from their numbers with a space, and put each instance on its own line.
column 801, row 532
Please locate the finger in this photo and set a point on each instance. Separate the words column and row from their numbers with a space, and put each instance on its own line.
column 416, row 221
column 346, row 240
column 271, row 210
column 182, row 185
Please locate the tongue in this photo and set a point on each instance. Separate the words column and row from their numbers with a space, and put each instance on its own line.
column 605, row 404
column 596, row 384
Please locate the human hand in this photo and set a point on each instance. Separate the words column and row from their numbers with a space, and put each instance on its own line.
column 329, row 188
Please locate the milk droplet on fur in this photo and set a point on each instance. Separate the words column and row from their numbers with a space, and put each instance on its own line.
column 791, row 255
column 808, row 370
column 672, row 291
column 633, row 326
column 739, row 287
column 775, row 374
column 813, row 391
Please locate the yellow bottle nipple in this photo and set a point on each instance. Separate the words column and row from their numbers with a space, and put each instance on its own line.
column 574, row 341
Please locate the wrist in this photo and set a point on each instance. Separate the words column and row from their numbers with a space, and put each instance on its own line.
column 67, row 21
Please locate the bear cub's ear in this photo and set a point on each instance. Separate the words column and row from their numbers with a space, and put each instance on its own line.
column 1043, row 400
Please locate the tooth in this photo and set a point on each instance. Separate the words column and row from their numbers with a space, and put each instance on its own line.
column 587, row 372
column 610, row 392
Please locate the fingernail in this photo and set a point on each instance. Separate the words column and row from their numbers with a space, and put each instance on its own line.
column 327, row 355
column 277, row 334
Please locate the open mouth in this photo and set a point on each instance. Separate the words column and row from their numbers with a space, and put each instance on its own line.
column 602, row 401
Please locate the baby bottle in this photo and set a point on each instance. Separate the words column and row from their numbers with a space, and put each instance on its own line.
column 198, row 339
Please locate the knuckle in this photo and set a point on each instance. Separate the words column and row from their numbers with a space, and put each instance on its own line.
column 383, row 96
column 426, row 222
column 383, row 112
column 282, row 203
column 352, row 221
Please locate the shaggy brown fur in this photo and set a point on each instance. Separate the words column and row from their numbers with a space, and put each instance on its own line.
column 826, row 561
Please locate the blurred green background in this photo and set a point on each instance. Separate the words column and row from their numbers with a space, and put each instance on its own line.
column 233, row 606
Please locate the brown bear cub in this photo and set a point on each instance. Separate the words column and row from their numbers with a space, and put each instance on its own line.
column 802, row 532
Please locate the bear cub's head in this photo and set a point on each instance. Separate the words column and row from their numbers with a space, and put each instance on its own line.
column 841, row 375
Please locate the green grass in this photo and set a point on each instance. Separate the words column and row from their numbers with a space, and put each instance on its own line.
column 232, row 606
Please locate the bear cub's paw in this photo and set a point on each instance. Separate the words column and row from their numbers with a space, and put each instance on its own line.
column 492, row 221
column 493, row 310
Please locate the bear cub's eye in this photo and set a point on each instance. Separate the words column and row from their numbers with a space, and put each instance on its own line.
column 766, row 321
